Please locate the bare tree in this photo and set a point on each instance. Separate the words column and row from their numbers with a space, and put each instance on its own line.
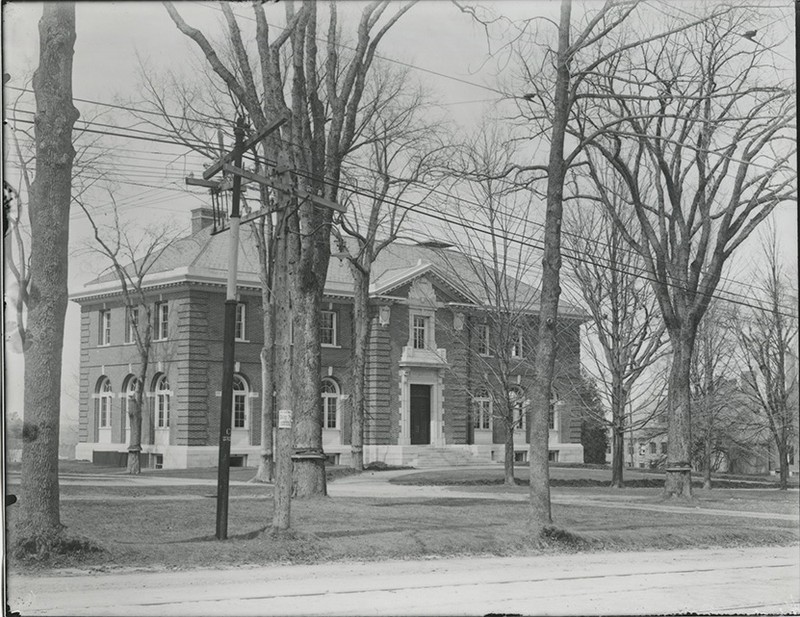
column 397, row 158
column 700, row 131
column 324, row 120
column 50, row 196
column 132, row 253
column 626, row 323
column 494, row 265
column 768, row 344
column 714, row 413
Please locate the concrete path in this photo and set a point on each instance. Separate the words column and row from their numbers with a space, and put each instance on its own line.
column 737, row 581
column 376, row 484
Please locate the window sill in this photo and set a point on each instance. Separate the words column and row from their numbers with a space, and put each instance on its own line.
column 241, row 340
column 330, row 346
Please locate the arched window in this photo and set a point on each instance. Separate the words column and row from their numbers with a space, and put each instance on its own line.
column 515, row 398
column 126, row 397
column 103, row 397
column 163, row 396
column 554, row 402
column 240, row 402
column 330, row 404
column 482, row 415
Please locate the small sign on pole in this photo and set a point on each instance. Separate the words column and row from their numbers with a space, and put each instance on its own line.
column 284, row 418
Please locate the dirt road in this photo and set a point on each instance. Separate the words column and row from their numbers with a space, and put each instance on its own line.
column 753, row 580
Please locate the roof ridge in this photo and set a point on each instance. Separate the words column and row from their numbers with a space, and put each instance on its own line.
column 202, row 248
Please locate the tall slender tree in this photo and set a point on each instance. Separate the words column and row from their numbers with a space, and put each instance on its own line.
column 768, row 340
column 398, row 158
column 131, row 254
column 50, row 197
column 626, row 324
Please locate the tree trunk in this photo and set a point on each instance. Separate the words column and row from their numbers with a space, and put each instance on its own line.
column 707, row 461
column 265, row 471
column 544, row 362
column 617, row 456
column 135, row 446
column 678, row 481
column 508, row 460
column 50, row 198
column 282, row 496
column 783, row 456
column 362, row 325
column 617, row 432
column 135, row 408
column 309, row 459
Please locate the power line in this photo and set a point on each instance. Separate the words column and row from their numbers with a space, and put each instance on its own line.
column 419, row 208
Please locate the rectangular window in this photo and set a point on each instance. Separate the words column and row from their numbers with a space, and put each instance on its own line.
column 132, row 321
column 162, row 410
column 330, row 412
column 420, row 332
column 241, row 313
column 103, row 404
column 327, row 328
column 516, row 346
column 483, row 414
column 105, row 328
column 483, row 339
column 663, row 447
column 551, row 417
column 162, row 321
column 239, row 410
column 652, row 447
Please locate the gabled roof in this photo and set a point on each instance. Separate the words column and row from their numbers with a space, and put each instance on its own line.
column 202, row 257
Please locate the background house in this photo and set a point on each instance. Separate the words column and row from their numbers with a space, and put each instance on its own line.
column 423, row 389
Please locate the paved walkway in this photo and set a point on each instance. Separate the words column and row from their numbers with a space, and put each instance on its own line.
column 377, row 484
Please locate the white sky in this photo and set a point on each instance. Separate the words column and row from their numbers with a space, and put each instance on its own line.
column 111, row 39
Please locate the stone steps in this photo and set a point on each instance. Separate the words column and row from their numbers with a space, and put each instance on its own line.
column 427, row 457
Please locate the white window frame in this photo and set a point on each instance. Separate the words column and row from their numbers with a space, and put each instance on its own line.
column 240, row 395
column 519, row 408
column 483, row 332
column 131, row 322
column 128, row 392
column 424, row 328
column 483, row 409
column 552, row 420
column 333, row 329
column 516, row 344
column 105, row 328
column 161, row 321
column 104, row 398
column 240, row 327
column 329, row 398
column 163, row 403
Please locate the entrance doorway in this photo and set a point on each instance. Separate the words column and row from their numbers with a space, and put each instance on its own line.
column 420, row 414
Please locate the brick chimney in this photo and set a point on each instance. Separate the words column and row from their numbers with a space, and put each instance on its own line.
column 202, row 218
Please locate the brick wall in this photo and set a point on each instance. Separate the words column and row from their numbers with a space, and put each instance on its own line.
column 381, row 397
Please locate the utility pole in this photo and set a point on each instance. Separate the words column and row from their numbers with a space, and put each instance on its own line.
column 231, row 163
column 229, row 331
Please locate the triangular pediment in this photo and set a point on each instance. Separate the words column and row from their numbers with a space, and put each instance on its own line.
column 422, row 283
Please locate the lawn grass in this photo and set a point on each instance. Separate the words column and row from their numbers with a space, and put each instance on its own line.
column 156, row 527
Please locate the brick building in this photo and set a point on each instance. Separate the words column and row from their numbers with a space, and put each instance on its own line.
column 421, row 377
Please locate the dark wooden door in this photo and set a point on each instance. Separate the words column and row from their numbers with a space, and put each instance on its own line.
column 420, row 414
